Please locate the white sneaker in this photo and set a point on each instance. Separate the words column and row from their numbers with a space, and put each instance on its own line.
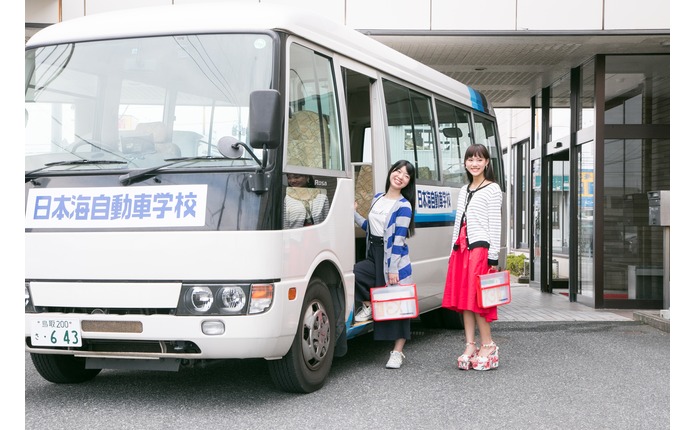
column 364, row 314
column 396, row 360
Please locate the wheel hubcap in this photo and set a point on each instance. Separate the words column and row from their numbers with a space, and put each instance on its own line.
column 315, row 334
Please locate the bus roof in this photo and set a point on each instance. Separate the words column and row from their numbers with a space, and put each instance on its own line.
column 224, row 17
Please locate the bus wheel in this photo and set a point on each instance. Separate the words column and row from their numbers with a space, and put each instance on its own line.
column 305, row 367
column 63, row 369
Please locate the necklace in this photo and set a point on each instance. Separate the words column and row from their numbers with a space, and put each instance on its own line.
column 469, row 197
column 476, row 188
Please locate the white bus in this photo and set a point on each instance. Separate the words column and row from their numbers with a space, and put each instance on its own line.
column 158, row 147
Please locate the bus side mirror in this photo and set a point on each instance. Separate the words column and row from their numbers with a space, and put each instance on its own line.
column 450, row 132
column 265, row 119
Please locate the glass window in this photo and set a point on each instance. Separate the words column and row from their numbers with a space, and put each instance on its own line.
column 536, row 233
column 585, row 214
column 559, row 109
column 637, row 89
column 313, row 128
column 519, row 192
column 537, row 106
column 485, row 133
column 587, row 113
column 411, row 134
column 559, row 202
column 454, row 138
column 634, row 250
column 525, row 198
column 138, row 102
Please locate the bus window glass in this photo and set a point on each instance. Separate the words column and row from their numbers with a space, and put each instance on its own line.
column 198, row 127
column 141, row 101
column 141, row 118
column 47, row 139
column 485, row 133
column 411, row 135
column 455, row 137
column 313, row 131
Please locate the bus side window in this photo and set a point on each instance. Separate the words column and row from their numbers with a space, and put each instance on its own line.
column 304, row 204
column 411, row 136
column 455, row 137
column 306, row 132
column 313, row 122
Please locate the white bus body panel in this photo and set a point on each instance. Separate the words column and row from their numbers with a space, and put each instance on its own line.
column 108, row 271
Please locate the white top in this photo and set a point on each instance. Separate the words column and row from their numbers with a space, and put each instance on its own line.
column 483, row 218
column 377, row 215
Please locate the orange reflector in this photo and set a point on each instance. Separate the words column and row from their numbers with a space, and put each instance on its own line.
column 292, row 293
column 261, row 291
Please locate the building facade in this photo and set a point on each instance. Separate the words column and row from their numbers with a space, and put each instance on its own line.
column 590, row 187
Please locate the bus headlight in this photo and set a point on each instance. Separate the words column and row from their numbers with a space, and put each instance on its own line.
column 231, row 299
column 200, row 299
column 225, row 299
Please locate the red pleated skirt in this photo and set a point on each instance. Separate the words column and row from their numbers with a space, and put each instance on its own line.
column 460, row 291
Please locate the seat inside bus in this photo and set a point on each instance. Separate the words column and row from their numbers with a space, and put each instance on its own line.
column 364, row 192
column 156, row 133
column 364, row 188
column 306, row 133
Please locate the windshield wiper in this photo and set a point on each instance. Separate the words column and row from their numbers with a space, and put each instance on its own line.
column 139, row 175
column 28, row 176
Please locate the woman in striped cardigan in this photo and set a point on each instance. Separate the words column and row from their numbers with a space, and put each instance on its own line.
column 476, row 246
column 390, row 221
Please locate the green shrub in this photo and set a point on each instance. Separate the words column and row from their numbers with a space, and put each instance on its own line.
column 515, row 264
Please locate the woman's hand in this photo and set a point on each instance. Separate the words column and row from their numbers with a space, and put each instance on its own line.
column 393, row 278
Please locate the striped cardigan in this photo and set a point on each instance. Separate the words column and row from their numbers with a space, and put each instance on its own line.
column 483, row 219
column 396, row 259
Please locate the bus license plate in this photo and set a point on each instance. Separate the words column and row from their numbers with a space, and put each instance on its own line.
column 62, row 332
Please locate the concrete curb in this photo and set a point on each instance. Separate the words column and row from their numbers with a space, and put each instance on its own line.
column 654, row 319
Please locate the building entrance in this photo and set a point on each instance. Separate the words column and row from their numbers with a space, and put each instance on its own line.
column 556, row 231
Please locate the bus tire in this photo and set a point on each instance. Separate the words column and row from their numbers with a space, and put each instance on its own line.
column 63, row 369
column 306, row 366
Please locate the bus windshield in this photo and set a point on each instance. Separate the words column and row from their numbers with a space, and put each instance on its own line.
column 142, row 102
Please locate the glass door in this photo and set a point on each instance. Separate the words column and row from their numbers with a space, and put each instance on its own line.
column 585, row 220
column 557, row 190
column 535, row 256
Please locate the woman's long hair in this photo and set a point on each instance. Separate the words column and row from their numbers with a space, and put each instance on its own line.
column 408, row 191
column 478, row 150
